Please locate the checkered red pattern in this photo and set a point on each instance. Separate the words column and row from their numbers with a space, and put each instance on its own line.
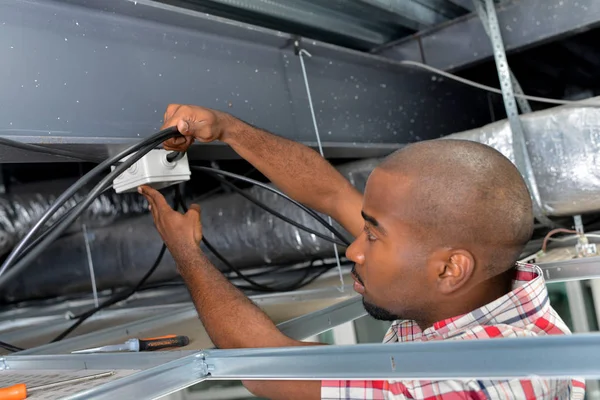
column 525, row 311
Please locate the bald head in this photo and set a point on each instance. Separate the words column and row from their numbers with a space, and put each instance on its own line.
column 468, row 195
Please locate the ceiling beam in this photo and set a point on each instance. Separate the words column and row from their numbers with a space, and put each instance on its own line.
column 524, row 24
column 88, row 75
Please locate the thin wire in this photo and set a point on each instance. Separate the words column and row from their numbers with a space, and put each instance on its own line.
column 581, row 103
column 10, row 347
column 88, row 251
column 314, row 118
column 554, row 232
column 569, row 238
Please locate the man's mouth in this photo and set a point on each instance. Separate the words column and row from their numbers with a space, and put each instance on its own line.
column 359, row 286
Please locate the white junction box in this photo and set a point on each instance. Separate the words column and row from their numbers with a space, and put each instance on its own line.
column 155, row 170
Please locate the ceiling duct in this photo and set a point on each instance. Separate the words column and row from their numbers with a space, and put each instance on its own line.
column 564, row 146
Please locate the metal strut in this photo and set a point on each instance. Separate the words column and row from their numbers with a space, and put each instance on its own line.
column 483, row 16
column 487, row 13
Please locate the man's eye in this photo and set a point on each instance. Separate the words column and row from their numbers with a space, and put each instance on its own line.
column 370, row 237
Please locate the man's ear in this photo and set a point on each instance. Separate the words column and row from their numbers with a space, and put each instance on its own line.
column 454, row 268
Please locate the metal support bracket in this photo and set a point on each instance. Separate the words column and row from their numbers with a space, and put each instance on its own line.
column 521, row 153
column 483, row 16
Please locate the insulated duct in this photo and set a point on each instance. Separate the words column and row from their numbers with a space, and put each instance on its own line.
column 122, row 252
column 25, row 204
column 564, row 146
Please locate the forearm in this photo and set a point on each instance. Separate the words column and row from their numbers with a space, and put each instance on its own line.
column 296, row 169
column 220, row 306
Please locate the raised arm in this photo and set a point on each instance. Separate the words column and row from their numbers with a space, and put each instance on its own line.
column 296, row 169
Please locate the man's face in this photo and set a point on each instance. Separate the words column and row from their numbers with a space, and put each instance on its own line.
column 390, row 260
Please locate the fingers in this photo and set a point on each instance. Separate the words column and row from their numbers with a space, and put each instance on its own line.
column 194, row 208
column 158, row 203
column 175, row 116
column 171, row 110
column 151, row 205
column 178, row 143
column 201, row 123
column 178, row 115
column 194, row 212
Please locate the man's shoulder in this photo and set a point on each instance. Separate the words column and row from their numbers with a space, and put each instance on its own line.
column 491, row 331
column 549, row 323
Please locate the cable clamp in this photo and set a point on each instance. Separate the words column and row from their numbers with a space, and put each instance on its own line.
column 3, row 364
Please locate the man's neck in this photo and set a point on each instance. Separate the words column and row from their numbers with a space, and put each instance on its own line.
column 485, row 293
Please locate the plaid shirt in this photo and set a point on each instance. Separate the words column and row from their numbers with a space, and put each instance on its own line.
column 525, row 311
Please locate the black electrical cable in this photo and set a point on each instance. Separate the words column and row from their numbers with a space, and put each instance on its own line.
column 276, row 213
column 329, row 227
column 118, row 297
column 272, row 270
column 138, row 150
column 46, row 232
column 175, row 156
column 324, row 269
column 62, row 199
column 253, row 284
column 25, row 257
column 124, row 295
column 46, row 150
column 57, row 230
column 10, row 347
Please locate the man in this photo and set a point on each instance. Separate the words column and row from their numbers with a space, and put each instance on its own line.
column 438, row 232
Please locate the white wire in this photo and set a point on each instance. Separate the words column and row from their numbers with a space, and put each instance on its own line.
column 572, row 237
column 582, row 103
column 88, row 251
column 314, row 118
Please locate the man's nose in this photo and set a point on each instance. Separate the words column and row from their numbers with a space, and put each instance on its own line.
column 354, row 251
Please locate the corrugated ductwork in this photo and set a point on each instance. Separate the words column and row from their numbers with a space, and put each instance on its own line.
column 564, row 147
column 564, row 144
column 21, row 208
column 122, row 252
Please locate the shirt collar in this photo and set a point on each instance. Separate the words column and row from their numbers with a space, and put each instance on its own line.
column 525, row 303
